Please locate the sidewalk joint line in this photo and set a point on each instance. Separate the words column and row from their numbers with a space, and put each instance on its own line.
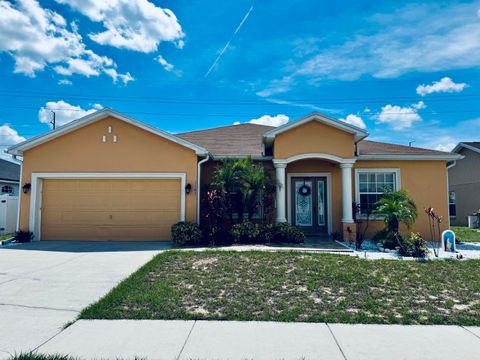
column 471, row 332
column 336, row 341
column 46, row 341
column 186, row 340
column 38, row 307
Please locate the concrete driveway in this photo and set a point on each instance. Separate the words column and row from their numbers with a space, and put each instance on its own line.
column 44, row 285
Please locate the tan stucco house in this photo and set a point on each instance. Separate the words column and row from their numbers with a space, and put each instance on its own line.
column 107, row 176
column 464, row 183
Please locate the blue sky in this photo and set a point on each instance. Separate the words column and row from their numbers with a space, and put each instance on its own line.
column 408, row 71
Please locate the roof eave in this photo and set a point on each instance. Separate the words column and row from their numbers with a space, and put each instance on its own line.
column 358, row 133
column 461, row 145
column 18, row 149
column 445, row 157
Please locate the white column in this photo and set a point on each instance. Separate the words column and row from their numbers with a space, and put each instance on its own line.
column 281, row 199
column 347, row 193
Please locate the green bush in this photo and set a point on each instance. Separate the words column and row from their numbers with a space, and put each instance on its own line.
column 186, row 233
column 386, row 239
column 247, row 232
column 286, row 233
column 414, row 246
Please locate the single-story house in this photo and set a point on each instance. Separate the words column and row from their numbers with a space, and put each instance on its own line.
column 107, row 176
column 9, row 178
column 464, row 183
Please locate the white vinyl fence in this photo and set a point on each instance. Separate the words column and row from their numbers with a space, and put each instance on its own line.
column 8, row 214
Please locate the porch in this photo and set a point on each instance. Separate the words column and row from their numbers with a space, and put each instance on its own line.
column 314, row 192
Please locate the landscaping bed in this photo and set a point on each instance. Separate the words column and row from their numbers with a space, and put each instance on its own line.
column 294, row 286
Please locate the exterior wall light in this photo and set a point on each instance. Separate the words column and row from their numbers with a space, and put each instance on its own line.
column 26, row 188
column 188, row 188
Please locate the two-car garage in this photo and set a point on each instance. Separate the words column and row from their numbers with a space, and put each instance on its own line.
column 107, row 176
column 109, row 209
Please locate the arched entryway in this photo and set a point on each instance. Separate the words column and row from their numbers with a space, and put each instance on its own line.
column 324, row 208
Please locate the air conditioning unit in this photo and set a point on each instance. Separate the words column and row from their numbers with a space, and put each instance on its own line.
column 473, row 221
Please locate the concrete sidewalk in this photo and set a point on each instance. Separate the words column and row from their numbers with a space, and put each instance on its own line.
column 159, row 339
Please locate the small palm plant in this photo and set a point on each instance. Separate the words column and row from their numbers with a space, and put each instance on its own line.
column 396, row 207
column 256, row 186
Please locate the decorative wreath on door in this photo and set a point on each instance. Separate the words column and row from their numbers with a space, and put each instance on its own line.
column 304, row 190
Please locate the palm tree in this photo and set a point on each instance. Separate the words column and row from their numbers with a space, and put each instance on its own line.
column 256, row 185
column 244, row 184
column 227, row 180
column 396, row 207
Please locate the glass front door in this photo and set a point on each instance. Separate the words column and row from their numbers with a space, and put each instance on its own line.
column 309, row 204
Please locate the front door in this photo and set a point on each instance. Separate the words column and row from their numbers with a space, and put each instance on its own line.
column 309, row 204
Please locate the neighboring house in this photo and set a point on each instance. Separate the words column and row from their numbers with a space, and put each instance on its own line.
column 9, row 178
column 464, row 183
column 107, row 176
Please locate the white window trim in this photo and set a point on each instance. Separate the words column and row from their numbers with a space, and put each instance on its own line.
column 35, row 217
column 398, row 184
column 449, row 203
column 329, row 194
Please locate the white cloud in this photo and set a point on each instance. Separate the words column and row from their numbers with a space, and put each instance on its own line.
column 9, row 136
column 64, row 82
column 136, row 25
column 399, row 117
column 446, row 146
column 166, row 65
column 413, row 38
column 445, row 85
column 270, row 120
column 355, row 121
column 37, row 37
column 64, row 112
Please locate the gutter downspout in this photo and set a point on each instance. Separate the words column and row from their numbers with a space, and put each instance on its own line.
column 452, row 164
column 20, row 191
column 199, row 180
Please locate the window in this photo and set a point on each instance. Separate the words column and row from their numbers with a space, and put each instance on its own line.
column 371, row 185
column 451, row 204
column 7, row 189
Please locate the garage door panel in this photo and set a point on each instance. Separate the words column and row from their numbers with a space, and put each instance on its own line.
column 88, row 209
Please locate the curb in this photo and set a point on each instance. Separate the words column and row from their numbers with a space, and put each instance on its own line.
column 7, row 241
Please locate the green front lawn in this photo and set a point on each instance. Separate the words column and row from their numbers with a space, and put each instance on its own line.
column 5, row 237
column 295, row 286
column 465, row 234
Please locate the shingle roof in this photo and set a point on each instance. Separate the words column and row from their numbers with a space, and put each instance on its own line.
column 367, row 147
column 233, row 140
column 475, row 144
column 246, row 140
column 9, row 170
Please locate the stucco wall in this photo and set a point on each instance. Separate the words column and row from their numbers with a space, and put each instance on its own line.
column 464, row 179
column 425, row 181
column 83, row 151
column 314, row 137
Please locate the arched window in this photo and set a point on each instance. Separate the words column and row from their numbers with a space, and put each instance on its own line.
column 7, row 189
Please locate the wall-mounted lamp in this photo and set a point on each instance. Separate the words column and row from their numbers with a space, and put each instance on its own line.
column 26, row 188
column 188, row 188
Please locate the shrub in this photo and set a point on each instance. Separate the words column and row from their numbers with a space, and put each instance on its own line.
column 23, row 236
column 386, row 238
column 414, row 246
column 247, row 232
column 186, row 233
column 396, row 207
column 287, row 233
